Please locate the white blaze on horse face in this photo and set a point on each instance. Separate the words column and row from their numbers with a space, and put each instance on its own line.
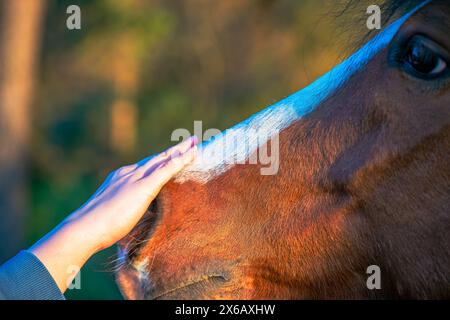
column 217, row 156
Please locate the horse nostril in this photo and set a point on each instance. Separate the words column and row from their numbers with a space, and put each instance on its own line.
column 142, row 232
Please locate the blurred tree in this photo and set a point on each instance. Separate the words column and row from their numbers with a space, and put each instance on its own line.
column 20, row 28
column 116, row 50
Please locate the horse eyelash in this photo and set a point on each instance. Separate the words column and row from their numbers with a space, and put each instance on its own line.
column 396, row 57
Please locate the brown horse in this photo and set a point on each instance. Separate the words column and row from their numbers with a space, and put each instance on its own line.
column 363, row 179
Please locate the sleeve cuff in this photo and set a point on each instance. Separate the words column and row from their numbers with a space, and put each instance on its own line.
column 24, row 277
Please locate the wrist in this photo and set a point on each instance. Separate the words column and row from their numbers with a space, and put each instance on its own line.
column 85, row 231
column 65, row 247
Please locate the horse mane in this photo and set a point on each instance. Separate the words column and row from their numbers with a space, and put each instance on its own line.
column 351, row 18
column 389, row 8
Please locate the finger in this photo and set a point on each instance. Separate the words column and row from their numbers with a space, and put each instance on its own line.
column 175, row 164
column 172, row 152
column 171, row 155
column 181, row 148
column 165, row 171
column 125, row 170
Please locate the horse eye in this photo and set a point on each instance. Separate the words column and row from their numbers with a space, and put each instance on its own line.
column 422, row 60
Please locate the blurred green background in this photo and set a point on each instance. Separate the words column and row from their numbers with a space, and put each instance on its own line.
column 112, row 93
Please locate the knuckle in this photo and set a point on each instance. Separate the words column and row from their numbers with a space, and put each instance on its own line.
column 165, row 154
column 121, row 170
column 124, row 170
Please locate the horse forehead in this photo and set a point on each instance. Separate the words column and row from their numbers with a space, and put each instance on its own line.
column 236, row 144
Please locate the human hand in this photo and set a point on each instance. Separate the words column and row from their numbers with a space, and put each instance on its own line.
column 121, row 201
column 111, row 213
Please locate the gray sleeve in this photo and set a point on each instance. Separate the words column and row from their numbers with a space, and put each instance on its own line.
column 24, row 277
